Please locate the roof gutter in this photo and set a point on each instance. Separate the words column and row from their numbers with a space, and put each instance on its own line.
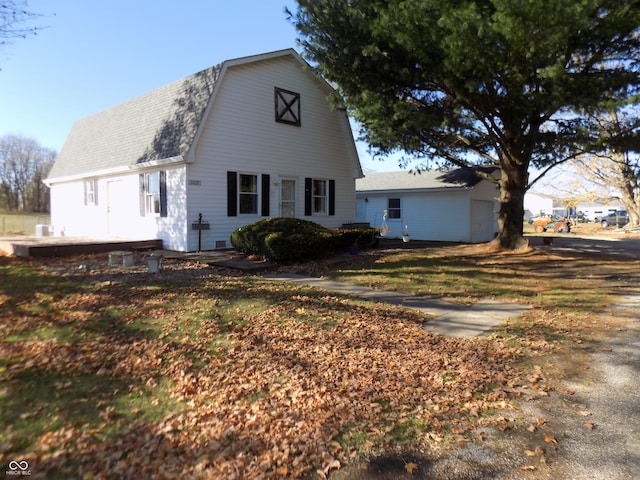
column 411, row 190
column 109, row 172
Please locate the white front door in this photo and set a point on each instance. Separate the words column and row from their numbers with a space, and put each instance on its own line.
column 288, row 198
column 117, row 208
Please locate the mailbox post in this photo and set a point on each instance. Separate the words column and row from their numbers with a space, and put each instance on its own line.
column 200, row 225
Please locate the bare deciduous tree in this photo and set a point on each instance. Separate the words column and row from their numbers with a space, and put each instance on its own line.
column 24, row 163
column 618, row 169
column 14, row 21
column 614, row 177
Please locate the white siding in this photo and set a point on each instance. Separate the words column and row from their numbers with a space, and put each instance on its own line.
column 482, row 225
column 439, row 215
column 71, row 217
column 172, row 229
column 241, row 135
column 485, row 206
column 117, row 213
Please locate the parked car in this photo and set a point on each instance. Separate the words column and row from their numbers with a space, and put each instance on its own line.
column 619, row 219
column 582, row 217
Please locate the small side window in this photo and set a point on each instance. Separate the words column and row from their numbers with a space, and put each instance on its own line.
column 153, row 193
column 91, row 192
column 394, row 208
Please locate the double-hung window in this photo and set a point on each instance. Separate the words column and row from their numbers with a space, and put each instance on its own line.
column 319, row 196
column 248, row 193
column 152, row 193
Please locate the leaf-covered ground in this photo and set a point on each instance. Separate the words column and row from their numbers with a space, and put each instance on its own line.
column 196, row 373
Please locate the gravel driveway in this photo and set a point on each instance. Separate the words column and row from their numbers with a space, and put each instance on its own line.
column 610, row 403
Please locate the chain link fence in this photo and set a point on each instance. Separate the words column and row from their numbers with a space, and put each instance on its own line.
column 22, row 224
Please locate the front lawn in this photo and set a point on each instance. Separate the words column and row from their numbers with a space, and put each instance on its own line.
column 200, row 373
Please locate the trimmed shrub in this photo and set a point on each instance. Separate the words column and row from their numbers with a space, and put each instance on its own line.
column 356, row 237
column 285, row 239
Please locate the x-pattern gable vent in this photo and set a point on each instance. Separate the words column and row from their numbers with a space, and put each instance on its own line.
column 287, row 107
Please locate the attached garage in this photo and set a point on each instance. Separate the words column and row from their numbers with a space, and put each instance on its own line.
column 450, row 205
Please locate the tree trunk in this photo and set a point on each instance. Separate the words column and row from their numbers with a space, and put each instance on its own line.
column 513, row 185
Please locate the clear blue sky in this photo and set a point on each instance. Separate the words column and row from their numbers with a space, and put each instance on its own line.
column 95, row 54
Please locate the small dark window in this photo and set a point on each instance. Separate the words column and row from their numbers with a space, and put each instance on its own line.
column 394, row 208
column 287, row 107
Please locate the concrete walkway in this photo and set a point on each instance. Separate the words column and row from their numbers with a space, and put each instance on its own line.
column 451, row 320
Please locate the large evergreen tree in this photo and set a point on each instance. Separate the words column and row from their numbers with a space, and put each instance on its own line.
column 491, row 82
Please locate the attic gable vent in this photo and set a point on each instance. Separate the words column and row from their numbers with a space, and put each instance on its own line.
column 287, row 107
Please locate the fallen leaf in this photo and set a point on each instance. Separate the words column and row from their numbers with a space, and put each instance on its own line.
column 529, row 468
column 532, row 428
column 534, row 453
column 333, row 465
column 589, row 425
column 411, row 467
column 550, row 439
column 584, row 413
column 541, row 421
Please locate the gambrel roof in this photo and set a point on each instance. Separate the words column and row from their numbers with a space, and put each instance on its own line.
column 159, row 126
column 413, row 181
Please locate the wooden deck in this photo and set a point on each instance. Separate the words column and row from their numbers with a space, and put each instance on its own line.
column 66, row 246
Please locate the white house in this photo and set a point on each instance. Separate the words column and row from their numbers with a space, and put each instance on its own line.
column 250, row 138
column 536, row 205
column 453, row 205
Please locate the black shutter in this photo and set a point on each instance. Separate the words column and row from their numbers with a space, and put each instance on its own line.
column 307, row 196
column 232, row 194
column 332, row 197
column 142, row 194
column 163, row 193
column 266, row 198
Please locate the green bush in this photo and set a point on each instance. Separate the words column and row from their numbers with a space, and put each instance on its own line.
column 356, row 237
column 285, row 239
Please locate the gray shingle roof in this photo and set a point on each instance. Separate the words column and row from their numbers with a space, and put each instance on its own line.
column 426, row 180
column 158, row 125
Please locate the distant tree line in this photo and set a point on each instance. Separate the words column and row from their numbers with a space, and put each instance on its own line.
column 24, row 164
